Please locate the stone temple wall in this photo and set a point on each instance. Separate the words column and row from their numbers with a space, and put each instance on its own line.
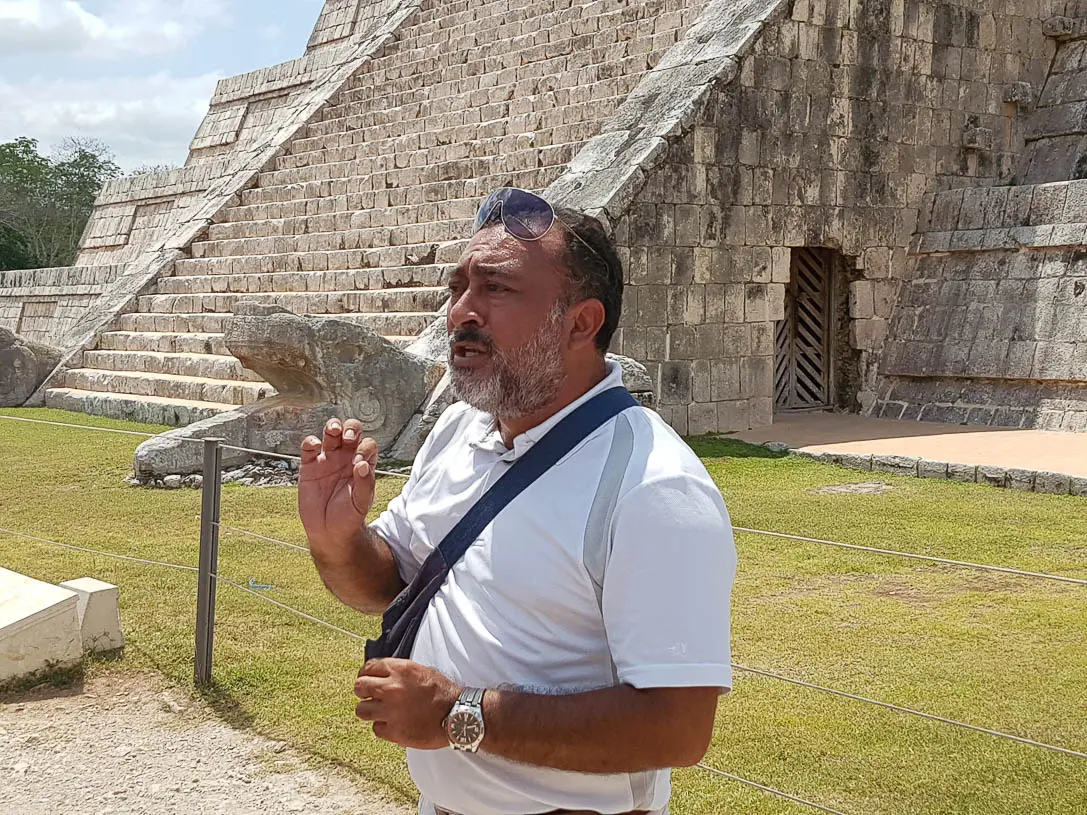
column 246, row 114
column 844, row 115
column 992, row 323
column 43, row 304
column 992, row 327
column 714, row 136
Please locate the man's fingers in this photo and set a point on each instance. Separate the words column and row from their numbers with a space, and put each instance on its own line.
column 368, row 450
column 311, row 449
column 377, row 667
column 368, row 710
column 333, row 438
column 370, row 687
column 352, row 432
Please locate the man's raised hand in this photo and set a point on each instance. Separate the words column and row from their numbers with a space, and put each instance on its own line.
column 336, row 484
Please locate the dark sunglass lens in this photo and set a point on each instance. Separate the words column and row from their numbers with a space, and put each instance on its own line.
column 490, row 210
column 527, row 216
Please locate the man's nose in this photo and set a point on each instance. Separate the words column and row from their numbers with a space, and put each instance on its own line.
column 462, row 312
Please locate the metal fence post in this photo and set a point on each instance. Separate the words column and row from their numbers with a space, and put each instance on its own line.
column 211, row 491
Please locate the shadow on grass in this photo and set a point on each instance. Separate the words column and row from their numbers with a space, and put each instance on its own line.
column 227, row 706
column 714, row 446
column 230, row 708
column 51, row 683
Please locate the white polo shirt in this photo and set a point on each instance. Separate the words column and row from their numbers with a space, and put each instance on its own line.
column 616, row 566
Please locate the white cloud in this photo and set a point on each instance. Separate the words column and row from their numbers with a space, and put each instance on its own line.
column 146, row 120
column 120, row 27
column 272, row 31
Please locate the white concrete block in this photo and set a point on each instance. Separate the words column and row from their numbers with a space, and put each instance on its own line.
column 39, row 626
column 99, row 614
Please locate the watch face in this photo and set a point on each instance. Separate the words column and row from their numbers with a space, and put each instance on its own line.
column 464, row 728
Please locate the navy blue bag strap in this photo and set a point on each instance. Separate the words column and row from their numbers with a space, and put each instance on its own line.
column 400, row 622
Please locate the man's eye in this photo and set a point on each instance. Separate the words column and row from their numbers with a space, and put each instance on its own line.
column 496, row 288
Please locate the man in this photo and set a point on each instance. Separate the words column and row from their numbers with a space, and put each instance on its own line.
column 578, row 648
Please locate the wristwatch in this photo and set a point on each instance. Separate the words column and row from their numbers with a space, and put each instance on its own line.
column 464, row 724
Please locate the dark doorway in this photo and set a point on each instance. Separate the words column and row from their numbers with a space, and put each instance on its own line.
column 804, row 365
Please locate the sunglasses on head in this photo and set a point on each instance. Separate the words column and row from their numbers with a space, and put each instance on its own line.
column 523, row 214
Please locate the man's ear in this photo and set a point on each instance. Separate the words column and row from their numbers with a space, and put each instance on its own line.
column 587, row 319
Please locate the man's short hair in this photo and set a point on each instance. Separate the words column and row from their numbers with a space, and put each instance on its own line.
column 596, row 274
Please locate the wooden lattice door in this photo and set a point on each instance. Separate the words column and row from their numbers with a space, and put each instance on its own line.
column 803, row 370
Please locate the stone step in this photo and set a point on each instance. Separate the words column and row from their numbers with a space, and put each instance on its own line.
column 164, row 343
column 403, row 277
column 301, row 235
column 398, row 324
column 206, row 366
column 423, row 126
column 168, row 386
column 334, row 229
column 406, row 186
column 421, row 299
column 361, row 207
column 148, row 409
column 422, row 170
column 341, row 260
column 429, row 142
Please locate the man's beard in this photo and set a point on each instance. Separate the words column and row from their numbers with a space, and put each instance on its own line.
column 521, row 380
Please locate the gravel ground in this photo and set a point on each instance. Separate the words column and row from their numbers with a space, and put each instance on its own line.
column 131, row 746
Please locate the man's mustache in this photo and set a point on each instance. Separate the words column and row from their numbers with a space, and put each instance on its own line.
column 473, row 335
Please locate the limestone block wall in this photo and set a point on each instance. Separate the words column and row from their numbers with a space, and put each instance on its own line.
column 1056, row 135
column 132, row 212
column 341, row 19
column 43, row 304
column 992, row 327
column 844, row 115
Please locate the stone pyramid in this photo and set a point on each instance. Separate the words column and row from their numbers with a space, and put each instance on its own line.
column 862, row 205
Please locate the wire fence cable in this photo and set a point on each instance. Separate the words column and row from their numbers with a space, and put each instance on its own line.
column 910, row 711
column 81, row 426
column 854, row 546
column 98, row 552
column 770, row 790
column 247, row 533
column 291, row 609
column 963, row 563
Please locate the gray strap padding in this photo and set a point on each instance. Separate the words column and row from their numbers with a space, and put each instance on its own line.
column 597, row 552
column 597, row 547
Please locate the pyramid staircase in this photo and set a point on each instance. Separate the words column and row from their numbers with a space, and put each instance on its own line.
column 369, row 204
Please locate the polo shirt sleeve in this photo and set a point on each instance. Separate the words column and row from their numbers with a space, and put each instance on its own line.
column 668, row 584
column 394, row 524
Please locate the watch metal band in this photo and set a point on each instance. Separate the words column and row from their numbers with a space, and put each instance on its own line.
column 472, row 696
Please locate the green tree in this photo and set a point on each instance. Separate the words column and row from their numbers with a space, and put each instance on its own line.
column 45, row 201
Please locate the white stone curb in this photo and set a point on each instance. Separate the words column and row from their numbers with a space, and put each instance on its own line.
column 1041, row 481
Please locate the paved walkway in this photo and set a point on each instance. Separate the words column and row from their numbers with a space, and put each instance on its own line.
column 845, row 433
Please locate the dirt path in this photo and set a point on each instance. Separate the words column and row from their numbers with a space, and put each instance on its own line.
column 130, row 746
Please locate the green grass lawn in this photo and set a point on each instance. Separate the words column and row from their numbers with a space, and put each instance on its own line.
column 995, row 650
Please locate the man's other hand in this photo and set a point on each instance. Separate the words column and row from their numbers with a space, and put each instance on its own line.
column 406, row 701
column 336, row 485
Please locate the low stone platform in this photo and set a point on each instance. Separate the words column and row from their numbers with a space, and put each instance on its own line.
column 1032, row 460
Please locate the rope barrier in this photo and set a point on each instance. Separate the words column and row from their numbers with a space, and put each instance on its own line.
column 910, row 711
column 770, row 790
column 352, row 635
column 291, row 609
column 81, row 426
column 262, row 537
column 98, row 552
column 265, row 453
column 963, row 563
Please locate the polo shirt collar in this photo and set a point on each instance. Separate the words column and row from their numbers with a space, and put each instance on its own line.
column 484, row 434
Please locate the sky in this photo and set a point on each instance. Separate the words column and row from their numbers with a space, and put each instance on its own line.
column 136, row 74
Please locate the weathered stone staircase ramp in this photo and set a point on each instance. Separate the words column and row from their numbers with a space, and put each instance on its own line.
column 369, row 204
